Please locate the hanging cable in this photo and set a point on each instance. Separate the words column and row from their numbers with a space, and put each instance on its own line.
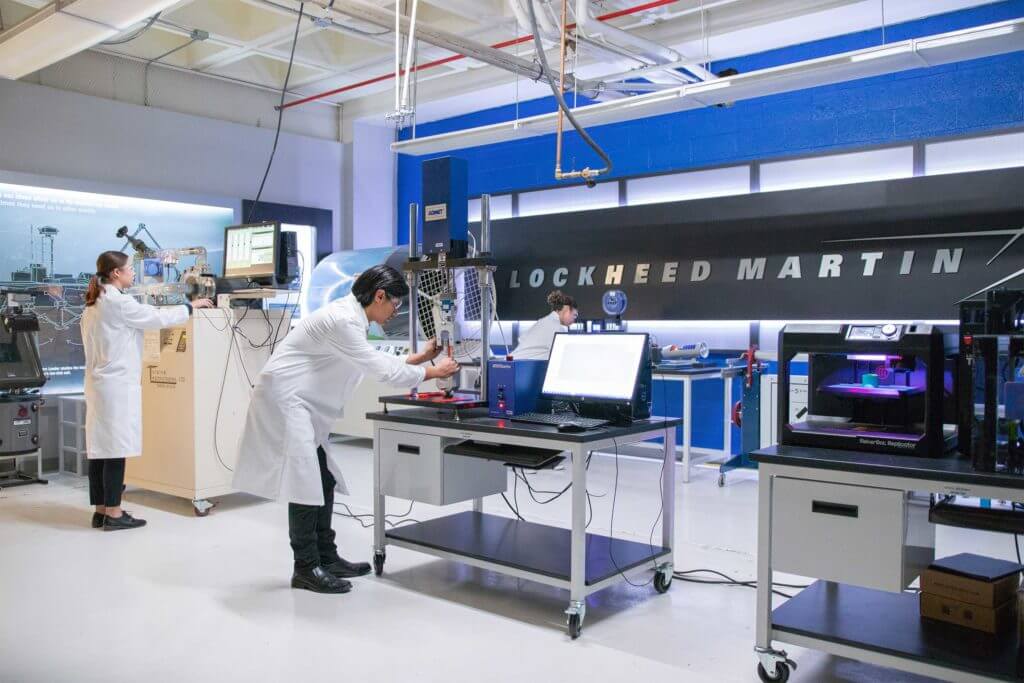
column 129, row 38
column 280, row 114
column 587, row 174
column 145, row 71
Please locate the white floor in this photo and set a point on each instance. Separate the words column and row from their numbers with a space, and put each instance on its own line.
column 189, row 599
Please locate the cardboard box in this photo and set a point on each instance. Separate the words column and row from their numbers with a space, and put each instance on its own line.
column 972, row 579
column 988, row 619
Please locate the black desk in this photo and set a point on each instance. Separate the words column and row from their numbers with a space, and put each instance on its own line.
column 949, row 468
column 478, row 421
column 567, row 558
column 878, row 626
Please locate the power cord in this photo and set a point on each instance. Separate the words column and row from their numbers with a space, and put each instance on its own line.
column 727, row 580
column 220, row 398
column 129, row 38
column 514, row 510
column 280, row 113
column 611, row 524
column 403, row 518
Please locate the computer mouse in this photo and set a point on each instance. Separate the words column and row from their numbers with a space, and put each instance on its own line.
column 571, row 427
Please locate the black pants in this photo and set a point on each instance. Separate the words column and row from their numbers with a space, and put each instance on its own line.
column 106, row 480
column 309, row 526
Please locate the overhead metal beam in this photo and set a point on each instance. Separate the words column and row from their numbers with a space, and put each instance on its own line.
column 447, row 40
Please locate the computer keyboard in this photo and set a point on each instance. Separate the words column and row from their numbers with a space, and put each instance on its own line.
column 555, row 419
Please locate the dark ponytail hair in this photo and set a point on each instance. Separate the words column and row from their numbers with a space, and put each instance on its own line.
column 106, row 263
column 557, row 300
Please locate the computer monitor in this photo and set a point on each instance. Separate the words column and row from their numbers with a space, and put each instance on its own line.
column 602, row 368
column 252, row 251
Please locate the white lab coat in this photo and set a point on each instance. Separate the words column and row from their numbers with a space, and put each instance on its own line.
column 536, row 343
column 298, row 396
column 112, row 331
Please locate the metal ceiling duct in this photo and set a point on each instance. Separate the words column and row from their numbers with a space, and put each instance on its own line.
column 372, row 14
column 945, row 48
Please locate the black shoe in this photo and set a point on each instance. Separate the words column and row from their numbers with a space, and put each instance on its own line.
column 344, row 569
column 97, row 520
column 319, row 580
column 125, row 521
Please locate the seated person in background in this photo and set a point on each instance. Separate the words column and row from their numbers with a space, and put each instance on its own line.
column 536, row 343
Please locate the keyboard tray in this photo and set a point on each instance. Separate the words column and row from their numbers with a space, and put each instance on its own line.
column 517, row 456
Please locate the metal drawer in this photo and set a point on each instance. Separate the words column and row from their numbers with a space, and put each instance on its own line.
column 849, row 534
column 413, row 466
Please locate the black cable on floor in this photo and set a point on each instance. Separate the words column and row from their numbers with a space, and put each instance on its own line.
column 402, row 518
column 730, row 581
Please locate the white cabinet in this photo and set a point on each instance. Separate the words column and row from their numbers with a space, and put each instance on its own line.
column 414, row 466
column 845, row 533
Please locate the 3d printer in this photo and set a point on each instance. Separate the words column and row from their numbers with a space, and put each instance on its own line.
column 884, row 388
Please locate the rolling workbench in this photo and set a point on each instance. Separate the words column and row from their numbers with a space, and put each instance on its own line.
column 411, row 446
column 687, row 376
column 842, row 517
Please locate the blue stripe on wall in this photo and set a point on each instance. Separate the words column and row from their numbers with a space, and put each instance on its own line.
column 968, row 97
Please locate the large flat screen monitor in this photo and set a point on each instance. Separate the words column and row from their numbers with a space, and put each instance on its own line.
column 251, row 251
column 594, row 367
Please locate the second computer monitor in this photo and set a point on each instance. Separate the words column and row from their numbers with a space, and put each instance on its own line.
column 602, row 368
column 251, row 251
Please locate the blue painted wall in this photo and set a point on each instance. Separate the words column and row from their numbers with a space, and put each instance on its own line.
column 955, row 99
column 969, row 97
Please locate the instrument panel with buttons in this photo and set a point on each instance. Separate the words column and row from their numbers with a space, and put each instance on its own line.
column 881, row 332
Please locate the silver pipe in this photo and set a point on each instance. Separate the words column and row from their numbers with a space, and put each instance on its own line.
column 408, row 56
column 365, row 11
column 588, row 25
column 414, row 213
column 398, row 58
column 485, row 292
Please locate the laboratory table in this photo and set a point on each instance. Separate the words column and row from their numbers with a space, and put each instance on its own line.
column 569, row 558
column 843, row 617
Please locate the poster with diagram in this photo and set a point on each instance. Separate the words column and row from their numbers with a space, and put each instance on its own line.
column 51, row 239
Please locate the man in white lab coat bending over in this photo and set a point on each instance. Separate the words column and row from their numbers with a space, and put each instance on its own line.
column 299, row 395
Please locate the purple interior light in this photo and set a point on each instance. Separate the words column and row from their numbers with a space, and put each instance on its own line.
column 877, row 357
column 884, row 391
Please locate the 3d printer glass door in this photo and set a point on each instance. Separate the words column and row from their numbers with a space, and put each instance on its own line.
column 879, row 396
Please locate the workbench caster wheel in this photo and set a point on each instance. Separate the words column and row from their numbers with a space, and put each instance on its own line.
column 662, row 582
column 378, row 563
column 781, row 673
column 201, row 508
column 721, row 480
column 575, row 626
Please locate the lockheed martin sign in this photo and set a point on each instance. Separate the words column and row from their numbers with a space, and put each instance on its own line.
column 897, row 249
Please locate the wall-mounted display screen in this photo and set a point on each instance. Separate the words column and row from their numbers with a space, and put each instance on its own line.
column 51, row 239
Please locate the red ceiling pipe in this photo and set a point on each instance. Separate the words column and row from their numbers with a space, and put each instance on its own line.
column 454, row 58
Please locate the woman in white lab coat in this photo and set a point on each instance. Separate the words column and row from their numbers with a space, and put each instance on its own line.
column 536, row 343
column 112, row 328
column 299, row 394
